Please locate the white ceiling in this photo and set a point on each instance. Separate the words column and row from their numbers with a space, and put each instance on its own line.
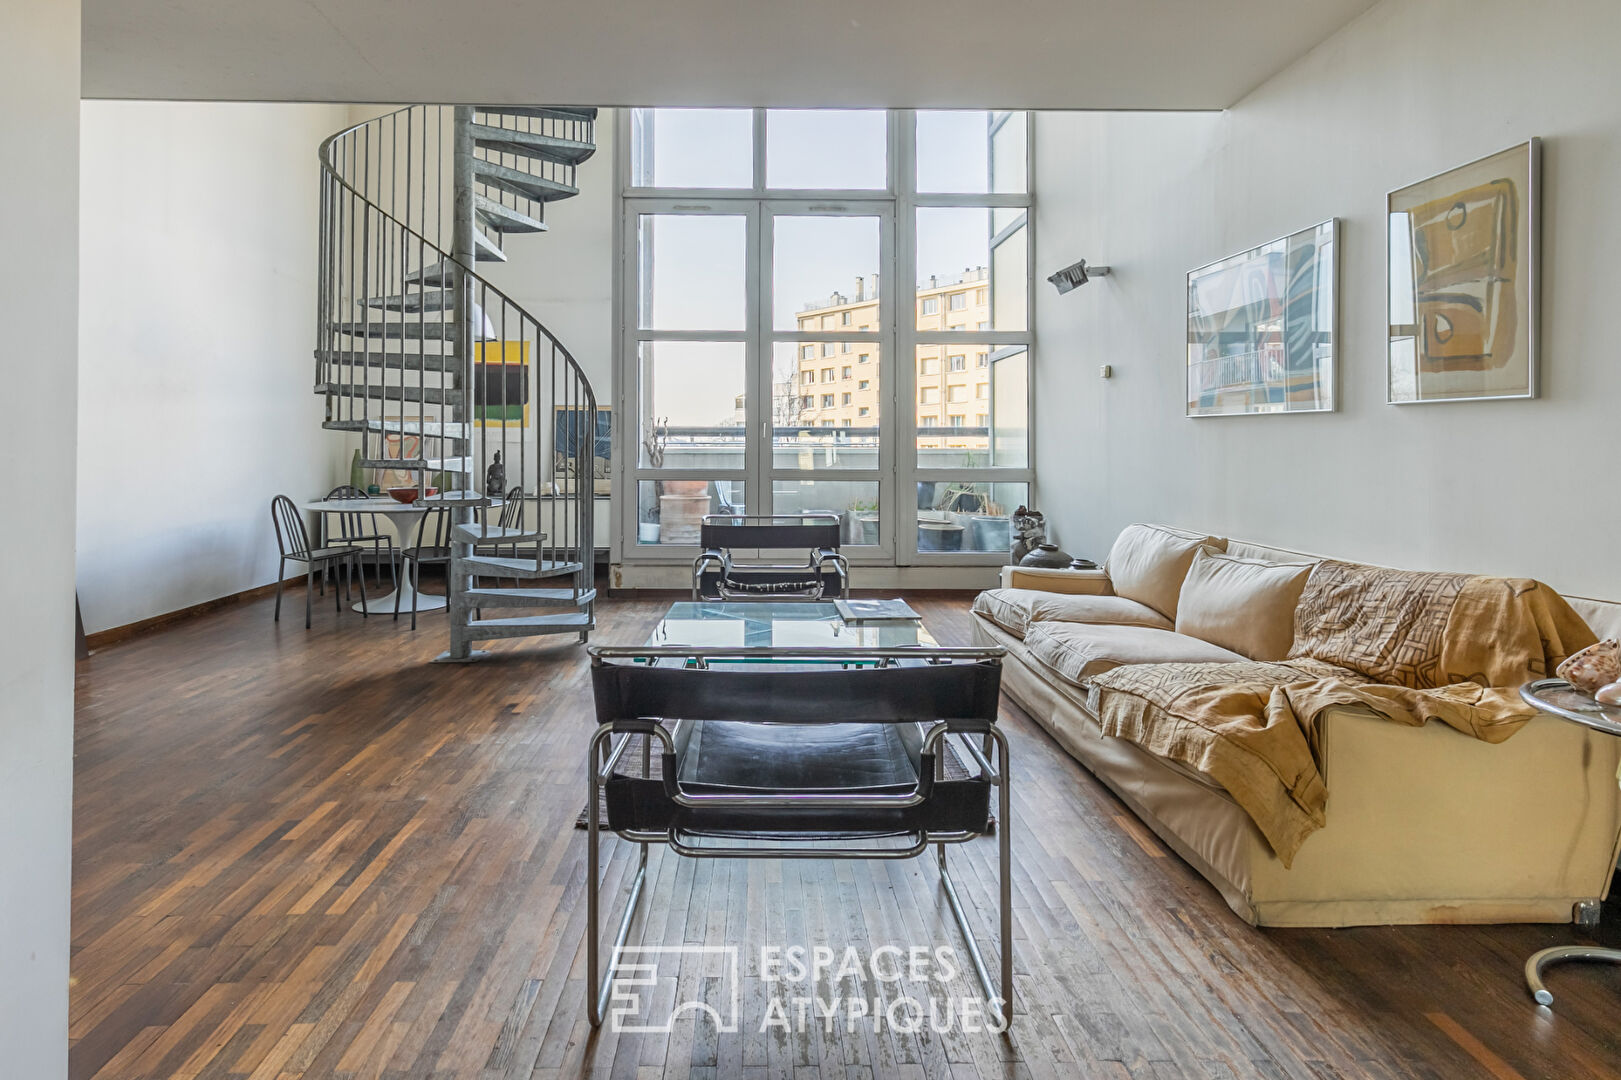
column 1095, row 54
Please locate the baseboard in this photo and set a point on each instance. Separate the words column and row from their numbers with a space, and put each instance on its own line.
column 113, row 635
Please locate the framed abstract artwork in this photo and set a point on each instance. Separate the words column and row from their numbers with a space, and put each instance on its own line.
column 1263, row 328
column 569, row 436
column 1463, row 281
column 501, row 384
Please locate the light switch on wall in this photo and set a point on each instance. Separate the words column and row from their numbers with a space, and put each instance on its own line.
column 1106, row 371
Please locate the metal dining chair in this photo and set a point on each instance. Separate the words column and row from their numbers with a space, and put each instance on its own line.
column 363, row 528
column 293, row 540
column 432, row 547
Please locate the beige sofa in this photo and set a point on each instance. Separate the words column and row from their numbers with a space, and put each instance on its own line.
column 1424, row 825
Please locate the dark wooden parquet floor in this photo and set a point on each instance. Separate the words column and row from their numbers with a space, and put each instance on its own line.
column 312, row 854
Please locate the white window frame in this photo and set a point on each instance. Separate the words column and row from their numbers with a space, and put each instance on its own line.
column 896, row 339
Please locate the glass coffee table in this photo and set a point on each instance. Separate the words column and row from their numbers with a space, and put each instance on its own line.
column 794, row 625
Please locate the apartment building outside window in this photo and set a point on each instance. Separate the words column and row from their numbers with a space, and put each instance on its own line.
column 759, row 241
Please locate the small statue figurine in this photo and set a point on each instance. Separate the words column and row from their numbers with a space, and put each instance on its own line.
column 495, row 478
column 1029, row 530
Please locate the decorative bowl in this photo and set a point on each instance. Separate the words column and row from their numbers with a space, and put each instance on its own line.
column 408, row 495
column 1046, row 556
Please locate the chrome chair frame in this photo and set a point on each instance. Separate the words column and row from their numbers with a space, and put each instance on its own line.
column 820, row 560
column 293, row 544
column 604, row 756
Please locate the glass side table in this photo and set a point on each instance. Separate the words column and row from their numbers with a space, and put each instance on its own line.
column 1558, row 698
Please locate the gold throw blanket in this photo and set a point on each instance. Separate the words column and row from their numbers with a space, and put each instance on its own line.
column 1413, row 647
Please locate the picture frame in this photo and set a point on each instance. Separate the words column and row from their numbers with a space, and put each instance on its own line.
column 1462, row 271
column 568, row 432
column 1263, row 328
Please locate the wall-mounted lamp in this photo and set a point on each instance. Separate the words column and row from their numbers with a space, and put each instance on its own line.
column 1079, row 274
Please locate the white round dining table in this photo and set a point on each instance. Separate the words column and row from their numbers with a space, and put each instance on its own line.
column 405, row 517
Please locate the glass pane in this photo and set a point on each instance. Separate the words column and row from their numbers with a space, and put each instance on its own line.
column 824, row 273
column 693, row 395
column 670, row 511
column 1008, row 139
column 693, row 271
column 1009, row 267
column 827, row 148
column 962, row 283
column 856, row 504
column 967, row 515
column 1010, row 407
column 692, row 148
column 970, row 152
column 972, row 406
column 825, row 404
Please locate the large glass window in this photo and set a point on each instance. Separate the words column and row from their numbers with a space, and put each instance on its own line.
column 771, row 364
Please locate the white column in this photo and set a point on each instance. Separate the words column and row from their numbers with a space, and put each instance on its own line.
column 39, row 284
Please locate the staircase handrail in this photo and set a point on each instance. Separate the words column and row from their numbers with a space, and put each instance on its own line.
column 444, row 255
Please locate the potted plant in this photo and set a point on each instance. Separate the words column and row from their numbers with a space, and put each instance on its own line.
column 690, row 488
column 991, row 529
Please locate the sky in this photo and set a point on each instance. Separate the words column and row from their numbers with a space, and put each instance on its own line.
column 700, row 262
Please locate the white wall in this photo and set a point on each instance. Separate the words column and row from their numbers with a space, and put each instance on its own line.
column 39, row 176
column 1413, row 88
column 197, row 320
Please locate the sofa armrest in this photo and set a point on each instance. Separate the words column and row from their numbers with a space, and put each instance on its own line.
column 1069, row 582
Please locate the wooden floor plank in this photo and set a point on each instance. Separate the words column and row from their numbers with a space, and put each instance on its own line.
column 314, row 854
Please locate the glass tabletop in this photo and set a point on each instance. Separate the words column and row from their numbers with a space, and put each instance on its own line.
column 753, row 623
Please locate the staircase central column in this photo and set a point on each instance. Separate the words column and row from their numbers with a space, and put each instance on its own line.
column 468, row 324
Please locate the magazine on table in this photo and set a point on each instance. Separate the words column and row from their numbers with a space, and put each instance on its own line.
column 853, row 611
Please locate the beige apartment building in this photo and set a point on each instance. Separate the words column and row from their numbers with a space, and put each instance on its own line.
column 836, row 383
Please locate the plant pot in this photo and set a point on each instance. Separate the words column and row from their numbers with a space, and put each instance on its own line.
column 647, row 532
column 939, row 536
column 927, row 490
column 681, row 517
column 991, row 533
column 686, row 487
column 869, row 528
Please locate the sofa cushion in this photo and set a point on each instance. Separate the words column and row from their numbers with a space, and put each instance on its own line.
column 1076, row 651
column 1148, row 562
column 1246, row 605
column 1014, row 610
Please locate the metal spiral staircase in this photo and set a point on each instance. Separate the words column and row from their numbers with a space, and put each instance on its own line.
column 437, row 371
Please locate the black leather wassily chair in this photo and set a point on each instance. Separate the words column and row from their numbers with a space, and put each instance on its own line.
column 832, row 762
column 716, row 576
